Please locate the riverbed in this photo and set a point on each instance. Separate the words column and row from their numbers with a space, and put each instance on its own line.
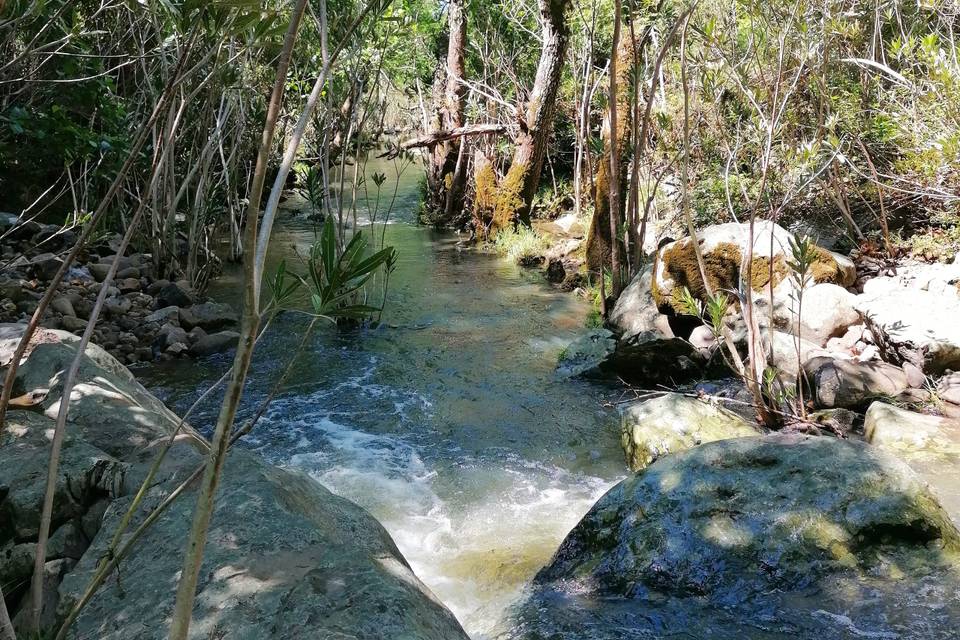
column 446, row 421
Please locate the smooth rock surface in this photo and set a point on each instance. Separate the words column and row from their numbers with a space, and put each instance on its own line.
column 761, row 538
column 674, row 422
column 849, row 384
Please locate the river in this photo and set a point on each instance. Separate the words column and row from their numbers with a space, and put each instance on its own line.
column 446, row 422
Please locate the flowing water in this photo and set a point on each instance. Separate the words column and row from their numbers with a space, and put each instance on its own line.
column 447, row 422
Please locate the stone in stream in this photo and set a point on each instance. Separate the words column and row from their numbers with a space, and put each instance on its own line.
column 598, row 354
column 764, row 537
column 209, row 344
column 208, row 316
column 672, row 422
column 929, row 444
column 285, row 559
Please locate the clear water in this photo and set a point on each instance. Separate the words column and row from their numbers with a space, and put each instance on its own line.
column 447, row 423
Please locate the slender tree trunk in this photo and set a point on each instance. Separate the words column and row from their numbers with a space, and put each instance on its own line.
column 518, row 188
column 616, row 185
column 187, row 586
column 450, row 101
column 617, row 128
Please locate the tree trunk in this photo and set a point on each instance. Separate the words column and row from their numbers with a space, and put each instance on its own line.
column 599, row 245
column 446, row 184
column 518, row 188
column 484, row 194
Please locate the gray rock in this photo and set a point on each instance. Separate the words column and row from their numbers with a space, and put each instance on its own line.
column 85, row 473
column 45, row 265
column 849, row 384
column 827, row 311
column 117, row 306
column 128, row 285
column 170, row 334
column 208, row 316
column 72, row 324
column 636, row 314
column 129, row 273
column 929, row 444
column 53, row 573
column 285, row 559
column 99, row 271
column 214, row 343
column 585, row 354
column 173, row 295
column 673, row 422
column 948, row 388
column 166, row 314
column 766, row 537
column 913, row 316
column 63, row 306
column 109, row 409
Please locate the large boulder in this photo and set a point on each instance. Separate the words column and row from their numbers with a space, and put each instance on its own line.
column 109, row 409
column 850, row 384
column 765, row 537
column 636, row 314
column 285, row 559
column 929, row 444
column 599, row 354
column 824, row 311
column 724, row 248
column 913, row 316
column 672, row 422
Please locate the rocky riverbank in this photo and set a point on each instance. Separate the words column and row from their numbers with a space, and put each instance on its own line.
column 145, row 318
column 285, row 558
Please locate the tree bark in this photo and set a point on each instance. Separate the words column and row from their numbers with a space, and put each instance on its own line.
column 518, row 188
column 446, row 184
column 616, row 133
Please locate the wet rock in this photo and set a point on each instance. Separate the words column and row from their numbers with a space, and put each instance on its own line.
column 130, row 273
column 850, row 384
column 586, row 354
column 12, row 289
column 929, row 444
column 208, row 316
column 307, row 563
column 117, row 306
column 173, row 295
column 673, row 422
column 764, row 537
column 214, row 343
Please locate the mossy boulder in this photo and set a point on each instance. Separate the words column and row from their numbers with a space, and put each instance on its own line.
column 673, row 422
column 762, row 538
column 724, row 248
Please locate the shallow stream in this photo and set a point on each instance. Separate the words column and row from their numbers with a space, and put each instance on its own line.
column 446, row 422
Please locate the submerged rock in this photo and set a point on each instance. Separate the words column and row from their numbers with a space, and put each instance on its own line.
column 673, row 422
column 586, row 354
column 763, row 537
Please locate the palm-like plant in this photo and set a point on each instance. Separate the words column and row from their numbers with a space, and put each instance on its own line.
column 336, row 279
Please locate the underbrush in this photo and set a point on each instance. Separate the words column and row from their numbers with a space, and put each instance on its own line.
column 522, row 245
